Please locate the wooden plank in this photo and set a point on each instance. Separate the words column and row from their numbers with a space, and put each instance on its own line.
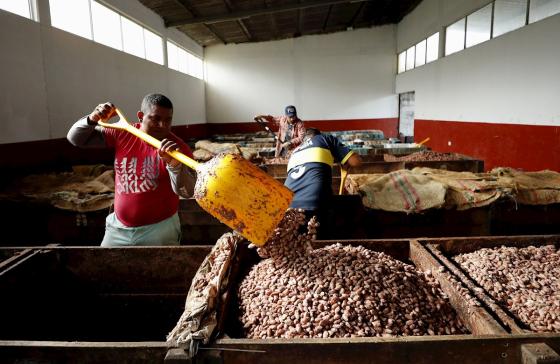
column 11, row 256
column 538, row 354
column 418, row 350
column 118, row 294
column 504, row 317
column 81, row 352
column 479, row 321
column 460, row 245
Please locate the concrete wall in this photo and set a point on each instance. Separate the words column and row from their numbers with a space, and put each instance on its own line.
column 481, row 101
column 348, row 75
column 51, row 77
column 509, row 79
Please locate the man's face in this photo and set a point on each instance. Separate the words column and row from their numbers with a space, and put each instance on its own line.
column 157, row 122
column 292, row 119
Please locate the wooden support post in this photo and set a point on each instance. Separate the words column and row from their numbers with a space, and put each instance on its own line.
column 538, row 354
column 177, row 356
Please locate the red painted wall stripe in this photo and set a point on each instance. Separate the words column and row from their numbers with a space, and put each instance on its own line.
column 527, row 147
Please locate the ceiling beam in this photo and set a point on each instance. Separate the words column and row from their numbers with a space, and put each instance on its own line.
column 240, row 22
column 355, row 17
column 273, row 25
column 243, row 14
column 192, row 13
column 299, row 29
column 327, row 18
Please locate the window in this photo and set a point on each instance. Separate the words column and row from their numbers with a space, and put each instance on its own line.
column 106, row 26
column 420, row 53
column 478, row 26
column 196, row 67
column 90, row 19
column 72, row 16
column 432, row 48
column 154, row 47
column 540, row 9
column 182, row 61
column 133, row 38
column 509, row 15
column 402, row 62
column 455, row 37
column 19, row 7
column 410, row 58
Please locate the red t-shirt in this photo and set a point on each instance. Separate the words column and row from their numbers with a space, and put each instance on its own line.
column 143, row 193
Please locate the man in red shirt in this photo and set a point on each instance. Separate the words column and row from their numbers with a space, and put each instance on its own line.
column 148, row 182
column 290, row 131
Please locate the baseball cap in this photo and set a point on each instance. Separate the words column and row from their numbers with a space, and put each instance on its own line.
column 291, row 111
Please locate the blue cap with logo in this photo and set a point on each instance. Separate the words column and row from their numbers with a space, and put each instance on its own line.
column 291, row 111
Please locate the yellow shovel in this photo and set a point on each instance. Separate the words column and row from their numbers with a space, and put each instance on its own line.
column 423, row 141
column 231, row 189
column 343, row 175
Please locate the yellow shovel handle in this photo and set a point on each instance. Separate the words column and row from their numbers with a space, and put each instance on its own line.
column 424, row 141
column 124, row 125
column 343, row 175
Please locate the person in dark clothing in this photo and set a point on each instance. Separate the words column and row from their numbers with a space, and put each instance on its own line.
column 310, row 172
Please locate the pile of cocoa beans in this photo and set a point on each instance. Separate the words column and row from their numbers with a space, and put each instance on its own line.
column 337, row 291
column 426, row 155
column 524, row 280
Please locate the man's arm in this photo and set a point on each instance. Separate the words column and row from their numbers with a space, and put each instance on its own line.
column 182, row 180
column 181, row 177
column 85, row 132
column 86, row 135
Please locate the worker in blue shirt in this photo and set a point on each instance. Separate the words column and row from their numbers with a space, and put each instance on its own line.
column 310, row 172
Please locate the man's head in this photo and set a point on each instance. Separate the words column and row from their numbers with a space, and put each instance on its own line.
column 311, row 132
column 291, row 112
column 156, row 114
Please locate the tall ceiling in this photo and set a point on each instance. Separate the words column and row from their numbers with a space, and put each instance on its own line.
column 211, row 22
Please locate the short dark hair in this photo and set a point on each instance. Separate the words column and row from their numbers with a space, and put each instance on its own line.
column 155, row 100
column 311, row 132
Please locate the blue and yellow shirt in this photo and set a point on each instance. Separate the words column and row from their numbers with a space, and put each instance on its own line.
column 310, row 170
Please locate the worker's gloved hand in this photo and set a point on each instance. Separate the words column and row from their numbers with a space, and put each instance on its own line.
column 167, row 146
column 102, row 112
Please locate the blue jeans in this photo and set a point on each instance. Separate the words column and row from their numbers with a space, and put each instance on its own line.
column 166, row 232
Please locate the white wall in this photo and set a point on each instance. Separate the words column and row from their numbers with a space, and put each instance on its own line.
column 348, row 75
column 51, row 77
column 513, row 78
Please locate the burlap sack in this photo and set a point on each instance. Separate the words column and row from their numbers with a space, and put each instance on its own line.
column 202, row 155
column 467, row 190
column 89, row 188
column 531, row 188
column 217, row 148
column 199, row 318
column 401, row 190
